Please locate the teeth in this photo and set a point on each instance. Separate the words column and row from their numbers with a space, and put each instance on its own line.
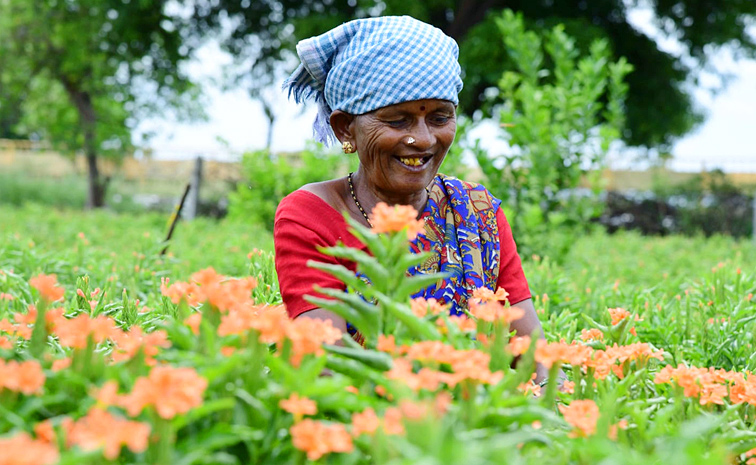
column 411, row 161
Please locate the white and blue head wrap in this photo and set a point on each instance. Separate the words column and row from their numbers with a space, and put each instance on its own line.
column 370, row 63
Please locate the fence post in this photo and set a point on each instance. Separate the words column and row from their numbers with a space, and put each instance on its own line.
column 190, row 210
column 753, row 231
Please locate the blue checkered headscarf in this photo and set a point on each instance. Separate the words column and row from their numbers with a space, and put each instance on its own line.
column 370, row 63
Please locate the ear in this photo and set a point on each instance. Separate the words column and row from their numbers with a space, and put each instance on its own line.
column 342, row 125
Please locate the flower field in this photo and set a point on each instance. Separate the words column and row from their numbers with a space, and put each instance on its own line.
column 112, row 353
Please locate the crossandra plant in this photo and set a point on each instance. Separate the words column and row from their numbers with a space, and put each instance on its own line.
column 207, row 371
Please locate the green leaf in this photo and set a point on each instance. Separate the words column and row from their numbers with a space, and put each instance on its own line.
column 207, row 408
column 374, row 359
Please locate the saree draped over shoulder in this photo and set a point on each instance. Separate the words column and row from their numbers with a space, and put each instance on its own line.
column 462, row 233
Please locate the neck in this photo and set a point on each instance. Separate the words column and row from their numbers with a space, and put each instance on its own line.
column 369, row 196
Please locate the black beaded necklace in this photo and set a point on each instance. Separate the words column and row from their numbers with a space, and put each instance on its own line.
column 357, row 202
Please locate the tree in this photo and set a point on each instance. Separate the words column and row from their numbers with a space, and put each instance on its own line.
column 92, row 69
column 659, row 104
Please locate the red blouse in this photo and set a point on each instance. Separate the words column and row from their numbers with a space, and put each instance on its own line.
column 305, row 222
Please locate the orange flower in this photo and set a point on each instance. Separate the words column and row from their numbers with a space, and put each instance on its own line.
column 45, row 430
column 74, row 332
column 182, row 291
column 530, row 388
column 473, row 365
column 430, row 351
column 298, row 406
column 4, row 296
column 386, row 344
column 493, row 311
column 484, row 294
column 622, row 424
column 547, row 354
column 25, row 377
column 107, row 395
column 207, row 277
column 366, row 422
column 751, row 457
column 388, row 219
column 582, row 415
column 592, row 334
column 442, row 402
column 413, row 411
column 128, row 344
column 48, row 288
column 21, row 449
column 61, row 364
column 318, row 438
column 5, row 343
column 271, row 323
column 392, row 421
column 518, row 345
column 307, row 336
column 618, row 314
column 420, row 307
column 101, row 430
column 228, row 351
column 170, row 391
column 568, row 387
column 464, row 323
column 193, row 322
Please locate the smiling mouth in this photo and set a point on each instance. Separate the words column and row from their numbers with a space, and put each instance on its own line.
column 414, row 161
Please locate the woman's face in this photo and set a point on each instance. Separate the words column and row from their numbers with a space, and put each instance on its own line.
column 390, row 164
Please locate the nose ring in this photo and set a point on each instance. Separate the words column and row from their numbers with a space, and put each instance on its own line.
column 410, row 140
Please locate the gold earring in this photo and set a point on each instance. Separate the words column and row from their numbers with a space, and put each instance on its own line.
column 347, row 147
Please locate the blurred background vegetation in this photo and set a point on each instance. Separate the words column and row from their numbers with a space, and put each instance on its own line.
column 566, row 81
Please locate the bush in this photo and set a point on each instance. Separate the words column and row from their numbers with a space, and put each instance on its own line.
column 708, row 204
column 561, row 109
column 271, row 177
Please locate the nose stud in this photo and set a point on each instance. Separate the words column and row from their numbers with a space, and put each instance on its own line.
column 410, row 140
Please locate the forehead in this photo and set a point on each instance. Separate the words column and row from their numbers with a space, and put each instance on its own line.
column 426, row 105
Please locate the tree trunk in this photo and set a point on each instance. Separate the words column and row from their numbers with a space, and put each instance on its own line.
column 88, row 122
column 469, row 13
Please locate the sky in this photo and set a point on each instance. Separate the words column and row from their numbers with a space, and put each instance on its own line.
column 236, row 123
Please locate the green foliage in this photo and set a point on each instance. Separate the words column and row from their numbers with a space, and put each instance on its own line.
column 270, row 177
column 561, row 112
column 90, row 72
column 701, row 28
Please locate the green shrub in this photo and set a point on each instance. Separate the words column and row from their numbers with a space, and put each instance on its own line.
column 561, row 109
column 710, row 203
column 271, row 177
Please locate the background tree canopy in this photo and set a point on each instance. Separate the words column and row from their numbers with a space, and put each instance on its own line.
column 80, row 74
column 660, row 108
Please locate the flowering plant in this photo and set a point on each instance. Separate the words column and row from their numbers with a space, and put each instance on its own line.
column 212, row 370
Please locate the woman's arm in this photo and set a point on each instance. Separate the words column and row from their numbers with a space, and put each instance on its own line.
column 526, row 326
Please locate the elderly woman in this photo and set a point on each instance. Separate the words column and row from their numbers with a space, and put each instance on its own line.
column 387, row 89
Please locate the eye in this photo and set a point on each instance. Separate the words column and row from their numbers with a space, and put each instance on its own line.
column 397, row 123
column 440, row 119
